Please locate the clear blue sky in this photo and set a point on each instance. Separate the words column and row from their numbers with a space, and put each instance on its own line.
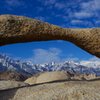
column 65, row 13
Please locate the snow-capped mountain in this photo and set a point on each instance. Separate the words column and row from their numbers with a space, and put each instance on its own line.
column 28, row 68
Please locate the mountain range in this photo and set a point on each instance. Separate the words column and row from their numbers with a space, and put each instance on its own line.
column 28, row 68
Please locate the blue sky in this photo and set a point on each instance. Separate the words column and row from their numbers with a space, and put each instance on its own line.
column 65, row 13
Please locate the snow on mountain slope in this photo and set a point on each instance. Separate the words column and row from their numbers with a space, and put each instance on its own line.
column 94, row 62
column 28, row 68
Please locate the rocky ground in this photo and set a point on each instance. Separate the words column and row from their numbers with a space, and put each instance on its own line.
column 58, row 85
column 8, row 84
column 12, row 75
column 59, row 90
column 58, row 75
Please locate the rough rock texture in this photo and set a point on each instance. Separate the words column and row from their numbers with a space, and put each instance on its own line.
column 84, row 77
column 12, row 75
column 52, row 76
column 17, row 29
column 31, row 80
column 49, row 77
column 10, row 84
column 58, row 76
column 65, row 90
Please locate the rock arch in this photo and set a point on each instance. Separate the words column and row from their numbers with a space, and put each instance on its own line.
column 17, row 29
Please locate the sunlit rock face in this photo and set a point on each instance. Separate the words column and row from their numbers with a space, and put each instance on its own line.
column 49, row 77
column 18, row 29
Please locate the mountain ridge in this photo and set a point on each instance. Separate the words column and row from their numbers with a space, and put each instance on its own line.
column 28, row 68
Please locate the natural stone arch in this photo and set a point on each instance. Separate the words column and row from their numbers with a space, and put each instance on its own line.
column 18, row 29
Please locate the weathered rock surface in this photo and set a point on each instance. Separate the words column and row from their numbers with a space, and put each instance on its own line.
column 17, row 29
column 58, row 76
column 49, row 77
column 10, row 84
column 12, row 75
column 65, row 90
column 84, row 77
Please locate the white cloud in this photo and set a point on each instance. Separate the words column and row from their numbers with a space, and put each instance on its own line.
column 73, row 12
column 53, row 3
column 83, row 14
column 14, row 3
column 88, row 9
column 49, row 2
column 98, row 22
column 60, row 5
column 81, row 22
column 41, row 56
column 92, row 5
column 46, row 56
column 11, row 4
column 76, row 21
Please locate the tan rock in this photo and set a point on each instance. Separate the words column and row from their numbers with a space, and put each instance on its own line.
column 69, row 90
column 31, row 80
column 49, row 77
column 17, row 29
column 8, row 84
column 84, row 77
column 52, row 76
column 12, row 75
